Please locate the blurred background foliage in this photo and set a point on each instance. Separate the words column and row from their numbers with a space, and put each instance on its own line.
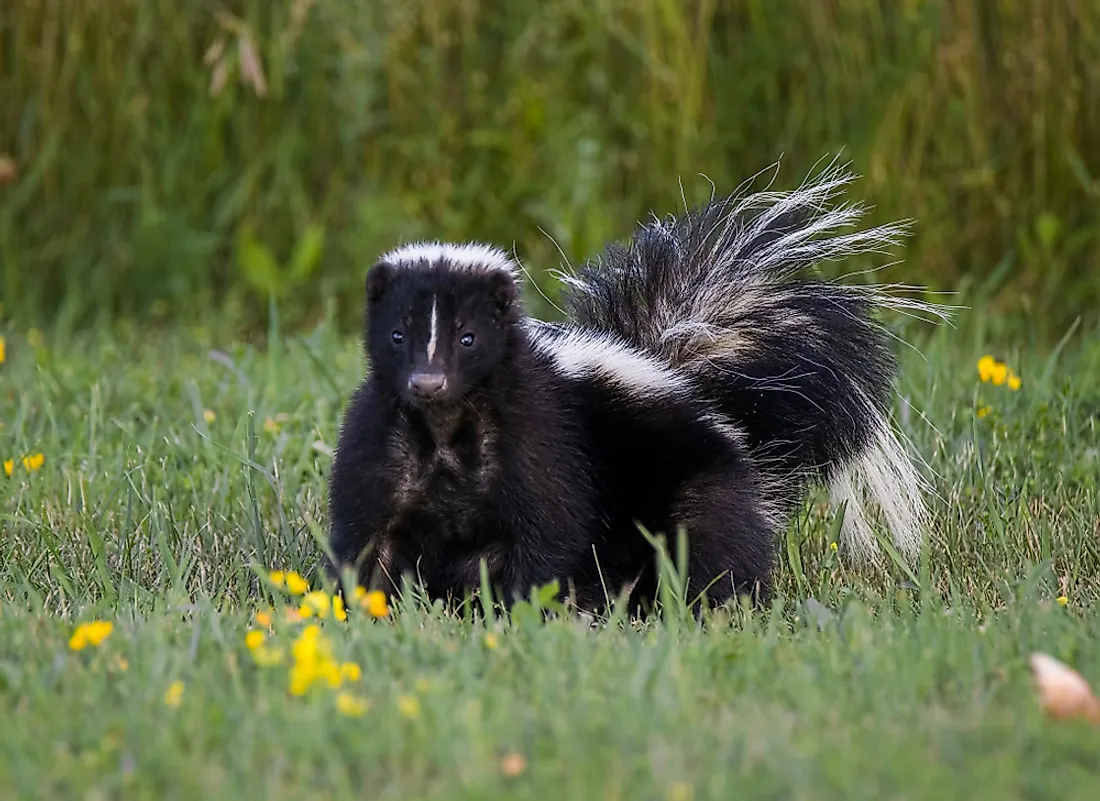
column 182, row 160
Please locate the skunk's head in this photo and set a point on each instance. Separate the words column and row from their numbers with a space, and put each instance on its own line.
column 440, row 318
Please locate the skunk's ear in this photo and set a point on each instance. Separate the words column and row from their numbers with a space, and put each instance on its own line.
column 502, row 289
column 378, row 278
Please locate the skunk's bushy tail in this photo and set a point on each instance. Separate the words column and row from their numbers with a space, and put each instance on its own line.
column 801, row 365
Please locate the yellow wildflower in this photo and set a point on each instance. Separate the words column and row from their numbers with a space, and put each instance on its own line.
column 264, row 619
column 174, row 694
column 491, row 641
column 985, row 367
column 9, row 467
column 254, row 639
column 1062, row 600
column 408, row 707
column 209, row 416
column 832, row 546
column 338, row 610
column 374, row 602
column 998, row 373
column 983, row 411
column 317, row 602
column 278, row 578
column 3, row 350
column 351, row 705
column 1013, row 381
column 92, row 633
column 351, row 671
column 34, row 462
column 296, row 584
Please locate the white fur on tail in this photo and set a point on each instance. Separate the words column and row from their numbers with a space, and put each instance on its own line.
column 884, row 473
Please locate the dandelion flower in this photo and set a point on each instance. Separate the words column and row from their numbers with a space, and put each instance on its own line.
column 296, row 584
column 351, row 705
column 491, row 641
column 408, row 707
column 174, row 694
column 93, row 633
column 351, row 671
column 254, row 639
column 9, row 467
column 278, row 578
column 3, row 350
column 338, row 610
column 209, row 416
column 832, row 546
column 34, row 462
column 983, row 411
column 1062, row 600
column 998, row 373
column 1013, row 381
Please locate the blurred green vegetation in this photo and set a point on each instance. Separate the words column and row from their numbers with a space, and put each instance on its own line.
column 172, row 159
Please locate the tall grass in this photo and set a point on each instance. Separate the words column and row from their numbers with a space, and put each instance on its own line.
column 174, row 157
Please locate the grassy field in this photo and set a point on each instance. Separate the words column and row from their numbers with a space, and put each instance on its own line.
column 164, row 474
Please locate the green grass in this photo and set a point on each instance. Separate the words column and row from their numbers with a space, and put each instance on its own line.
column 863, row 682
column 142, row 192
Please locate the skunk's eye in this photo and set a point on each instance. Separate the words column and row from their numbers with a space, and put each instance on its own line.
column 397, row 337
column 467, row 340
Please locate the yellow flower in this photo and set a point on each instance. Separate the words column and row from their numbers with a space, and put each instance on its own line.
column 264, row 619
column 351, row 671
column 985, row 367
column 408, row 707
column 1062, row 600
column 92, row 633
column 33, row 462
column 254, row 639
column 318, row 602
column 491, row 641
column 3, row 350
column 998, row 373
column 983, row 411
column 1013, row 381
column 296, row 584
column 209, row 416
column 9, row 467
column 338, row 610
column 832, row 546
column 351, row 705
column 374, row 602
column 278, row 578
column 174, row 694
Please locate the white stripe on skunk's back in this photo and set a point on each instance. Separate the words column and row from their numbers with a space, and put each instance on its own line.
column 472, row 256
column 589, row 353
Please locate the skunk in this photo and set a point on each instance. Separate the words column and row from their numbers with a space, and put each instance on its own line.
column 699, row 384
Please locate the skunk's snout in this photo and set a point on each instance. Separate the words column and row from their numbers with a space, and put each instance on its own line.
column 425, row 386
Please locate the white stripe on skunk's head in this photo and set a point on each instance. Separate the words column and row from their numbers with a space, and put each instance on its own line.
column 474, row 257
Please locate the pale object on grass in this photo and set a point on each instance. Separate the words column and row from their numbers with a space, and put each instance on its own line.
column 1063, row 692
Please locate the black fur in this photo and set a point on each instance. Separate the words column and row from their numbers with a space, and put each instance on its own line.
column 700, row 382
column 542, row 474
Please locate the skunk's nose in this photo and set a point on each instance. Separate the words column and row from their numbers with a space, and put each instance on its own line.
column 426, row 385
